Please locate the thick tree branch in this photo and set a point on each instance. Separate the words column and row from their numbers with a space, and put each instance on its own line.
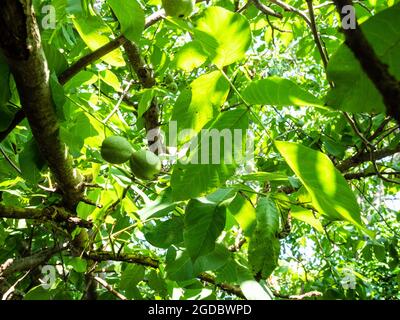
column 146, row 78
column 154, row 263
column 360, row 158
column 21, row 44
column 376, row 70
column 55, row 214
column 130, row 258
column 363, row 174
column 79, row 65
column 229, row 288
column 12, row 266
column 102, row 51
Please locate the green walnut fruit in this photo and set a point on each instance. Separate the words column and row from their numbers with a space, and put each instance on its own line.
column 173, row 87
column 178, row 8
column 145, row 164
column 116, row 150
column 168, row 79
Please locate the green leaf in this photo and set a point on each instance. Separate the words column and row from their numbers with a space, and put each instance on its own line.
column 179, row 266
column 328, row 189
column 190, row 56
column 222, row 197
column 264, row 246
column 244, row 212
column 354, row 91
column 58, row 95
column 145, row 101
column 265, row 176
column 159, row 207
column 31, row 162
column 197, row 106
column 83, row 78
column 78, row 264
column 204, row 222
column 165, row 233
column 279, row 92
column 38, row 293
column 212, row 261
column 95, row 33
column 224, row 35
column 380, row 252
column 55, row 59
column 131, row 276
column 200, row 173
column 111, row 79
column 131, row 17
column 306, row 216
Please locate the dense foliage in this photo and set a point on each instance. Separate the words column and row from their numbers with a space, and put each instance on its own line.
column 300, row 200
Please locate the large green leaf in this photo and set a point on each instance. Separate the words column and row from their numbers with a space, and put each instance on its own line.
column 330, row 193
column 197, row 177
column 190, row 56
column 354, row 91
column 95, row 33
column 306, row 216
column 199, row 104
column 278, row 92
column 212, row 261
column 165, row 233
column 31, row 162
column 244, row 212
column 160, row 207
column 179, row 265
column 264, row 246
column 224, row 35
column 204, row 222
column 130, row 278
column 131, row 17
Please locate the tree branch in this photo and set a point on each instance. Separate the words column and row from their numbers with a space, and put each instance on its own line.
column 363, row 174
column 154, row 263
column 316, row 35
column 12, row 266
column 229, row 288
column 127, row 257
column 79, row 65
column 376, row 70
column 360, row 158
column 289, row 8
column 146, row 78
column 110, row 288
column 266, row 10
column 55, row 214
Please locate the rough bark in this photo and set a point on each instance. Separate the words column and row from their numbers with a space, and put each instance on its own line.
column 146, row 78
column 55, row 214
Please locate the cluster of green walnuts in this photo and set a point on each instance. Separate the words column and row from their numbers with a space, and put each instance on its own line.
column 144, row 164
